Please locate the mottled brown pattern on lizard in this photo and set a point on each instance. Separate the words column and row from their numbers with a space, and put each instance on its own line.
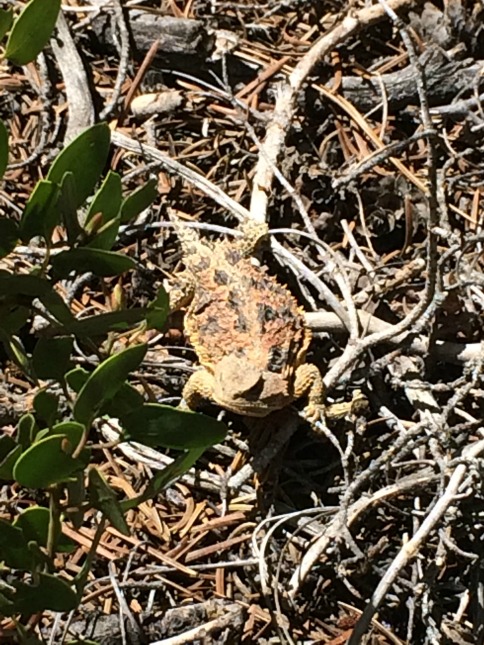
column 247, row 329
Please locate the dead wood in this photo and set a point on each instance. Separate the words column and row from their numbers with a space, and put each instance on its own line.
column 215, row 619
column 446, row 79
column 179, row 39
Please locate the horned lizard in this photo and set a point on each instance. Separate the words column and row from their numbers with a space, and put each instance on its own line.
column 247, row 329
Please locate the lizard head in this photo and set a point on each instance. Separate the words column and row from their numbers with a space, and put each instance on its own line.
column 244, row 388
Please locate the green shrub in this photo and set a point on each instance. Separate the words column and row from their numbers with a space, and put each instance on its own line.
column 51, row 448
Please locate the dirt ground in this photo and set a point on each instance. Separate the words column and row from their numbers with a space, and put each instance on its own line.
column 356, row 130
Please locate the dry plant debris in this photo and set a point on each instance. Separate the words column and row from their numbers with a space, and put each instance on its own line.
column 355, row 129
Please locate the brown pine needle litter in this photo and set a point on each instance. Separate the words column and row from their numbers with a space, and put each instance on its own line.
column 355, row 130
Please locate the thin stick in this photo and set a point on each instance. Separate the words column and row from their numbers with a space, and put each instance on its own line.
column 285, row 106
column 412, row 547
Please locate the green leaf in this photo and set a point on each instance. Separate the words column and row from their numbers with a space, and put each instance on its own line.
column 140, row 199
column 104, row 323
column 158, row 310
column 6, row 445
column 126, row 399
column 103, row 498
column 24, row 285
column 41, row 213
column 14, row 550
column 9, row 234
column 32, row 30
column 41, row 434
column 16, row 351
column 3, row 145
column 73, row 434
column 85, row 157
column 105, row 381
column 106, row 236
column 46, row 405
column 84, row 260
column 27, row 638
column 7, row 607
column 107, row 200
column 34, row 523
column 51, row 357
column 162, row 425
column 21, row 289
column 51, row 592
column 54, row 304
column 47, row 462
column 76, row 378
column 67, row 207
column 163, row 478
column 13, row 317
column 27, row 430
column 6, row 19
column 76, row 496
column 105, row 211
column 72, row 430
column 10, row 451
column 123, row 402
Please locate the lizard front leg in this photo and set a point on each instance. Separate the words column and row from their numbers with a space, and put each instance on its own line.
column 198, row 388
column 181, row 293
column 252, row 233
column 309, row 382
